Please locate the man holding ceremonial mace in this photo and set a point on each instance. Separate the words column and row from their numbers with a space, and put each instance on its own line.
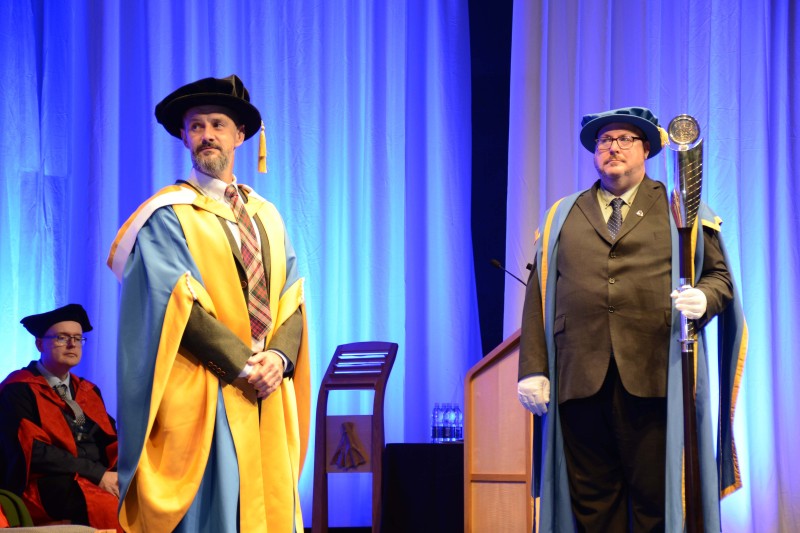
column 600, row 333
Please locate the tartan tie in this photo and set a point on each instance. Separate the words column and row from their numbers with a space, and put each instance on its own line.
column 80, row 418
column 257, row 301
column 615, row 220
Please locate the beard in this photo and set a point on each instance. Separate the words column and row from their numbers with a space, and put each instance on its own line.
column 212, row 164
column 614, row 172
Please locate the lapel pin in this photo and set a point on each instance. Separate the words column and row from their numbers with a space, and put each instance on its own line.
column 639, row 213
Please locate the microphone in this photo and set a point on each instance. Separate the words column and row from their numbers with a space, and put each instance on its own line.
column 497, row 264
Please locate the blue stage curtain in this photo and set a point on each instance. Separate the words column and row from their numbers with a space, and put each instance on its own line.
column 367, row 114
column 734, row 66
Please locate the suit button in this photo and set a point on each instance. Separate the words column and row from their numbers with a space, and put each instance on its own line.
column 612, row 280
column 613, row 255
column 244, row 284
column 610, row 308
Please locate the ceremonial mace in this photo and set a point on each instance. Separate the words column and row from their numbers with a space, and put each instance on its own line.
column 686, row 171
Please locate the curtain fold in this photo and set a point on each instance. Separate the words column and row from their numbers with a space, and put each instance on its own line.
column 734, row 66
column 367, row 114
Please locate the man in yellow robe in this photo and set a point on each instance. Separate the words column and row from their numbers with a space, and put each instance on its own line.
column 213, row 376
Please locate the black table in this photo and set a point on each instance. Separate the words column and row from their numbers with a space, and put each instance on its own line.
column 423, row 488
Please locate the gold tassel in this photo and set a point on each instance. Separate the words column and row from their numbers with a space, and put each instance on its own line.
column 664, row 136
column 262, row 150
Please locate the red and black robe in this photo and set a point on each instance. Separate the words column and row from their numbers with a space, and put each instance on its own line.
column 37, row 441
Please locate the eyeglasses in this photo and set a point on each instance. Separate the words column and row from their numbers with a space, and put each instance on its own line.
column 624, row 142
column 62, row 340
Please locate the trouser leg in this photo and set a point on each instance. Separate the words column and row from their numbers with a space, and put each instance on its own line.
column 597, row 491
column 615, row 447
column 63, row 499
column 642, row 436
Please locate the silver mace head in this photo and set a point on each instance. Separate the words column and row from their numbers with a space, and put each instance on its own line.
column 685, row 169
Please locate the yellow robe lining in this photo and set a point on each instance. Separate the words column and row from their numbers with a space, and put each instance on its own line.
column 269, row 451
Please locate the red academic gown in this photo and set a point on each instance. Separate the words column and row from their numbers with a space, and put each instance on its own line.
column 21, row 427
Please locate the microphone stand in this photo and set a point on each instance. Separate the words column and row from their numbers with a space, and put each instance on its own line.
column 498, row 264
column 686, row 151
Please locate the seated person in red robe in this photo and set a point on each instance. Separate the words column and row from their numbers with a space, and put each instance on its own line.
column 58, row 445
column 3, row 520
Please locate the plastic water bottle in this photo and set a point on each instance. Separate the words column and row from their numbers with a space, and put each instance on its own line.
column 459, row 424
column 449, row 415
column 436, row 424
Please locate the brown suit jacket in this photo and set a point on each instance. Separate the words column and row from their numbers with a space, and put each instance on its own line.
column 613, row 298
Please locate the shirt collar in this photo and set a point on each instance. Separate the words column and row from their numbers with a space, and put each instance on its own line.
column 51, row 378
column 605, row 196
column 212, row 187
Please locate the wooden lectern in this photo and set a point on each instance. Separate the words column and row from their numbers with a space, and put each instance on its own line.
column 498, row 446
column 354, row 366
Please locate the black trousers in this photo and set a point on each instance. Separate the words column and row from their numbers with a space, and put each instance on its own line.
column 615, row 447
column 63, row 499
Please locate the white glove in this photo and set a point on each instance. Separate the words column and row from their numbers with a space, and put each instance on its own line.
column 690, row 301
column 534, row 393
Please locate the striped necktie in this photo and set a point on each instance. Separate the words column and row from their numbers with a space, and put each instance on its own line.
column 258, row 299
column 615, row 220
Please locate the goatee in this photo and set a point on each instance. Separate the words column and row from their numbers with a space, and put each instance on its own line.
column 210, row 165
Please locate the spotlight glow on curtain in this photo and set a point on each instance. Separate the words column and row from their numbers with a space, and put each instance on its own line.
column 367, row 113
column 734, row 66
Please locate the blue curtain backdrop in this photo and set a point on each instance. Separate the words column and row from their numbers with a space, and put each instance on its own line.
column 367, row 112
column 735, row 66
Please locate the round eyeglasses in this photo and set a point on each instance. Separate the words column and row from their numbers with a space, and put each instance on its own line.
column 624, row 142
column 62, row 340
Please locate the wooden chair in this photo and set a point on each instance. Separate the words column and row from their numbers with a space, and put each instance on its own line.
column 355, row 366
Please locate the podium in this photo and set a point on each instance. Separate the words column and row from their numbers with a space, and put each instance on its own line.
column 498, row 446
column 354, row 366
